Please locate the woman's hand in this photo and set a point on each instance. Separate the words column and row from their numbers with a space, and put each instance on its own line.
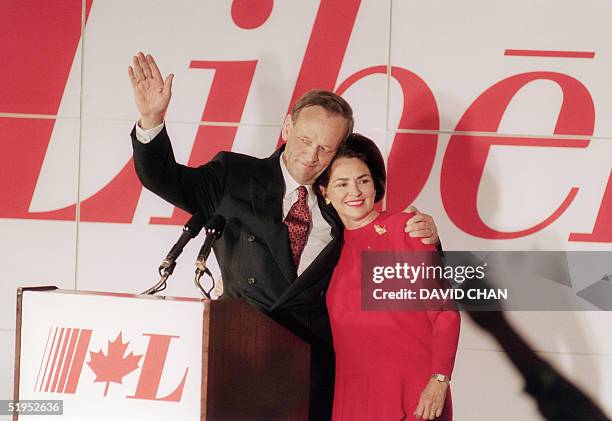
column 432, row 400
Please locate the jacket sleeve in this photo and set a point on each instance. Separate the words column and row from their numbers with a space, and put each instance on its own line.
column 191, row 189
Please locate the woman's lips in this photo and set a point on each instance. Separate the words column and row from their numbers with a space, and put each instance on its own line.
column 355, row 202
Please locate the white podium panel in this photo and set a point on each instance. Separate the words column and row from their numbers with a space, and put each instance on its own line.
column 111, row 356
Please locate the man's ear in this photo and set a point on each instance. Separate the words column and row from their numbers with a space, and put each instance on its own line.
column 287, row 126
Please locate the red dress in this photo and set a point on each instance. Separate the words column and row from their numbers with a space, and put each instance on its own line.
column 384, row 359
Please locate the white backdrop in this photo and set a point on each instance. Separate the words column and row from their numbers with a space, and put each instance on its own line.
column 431, row 82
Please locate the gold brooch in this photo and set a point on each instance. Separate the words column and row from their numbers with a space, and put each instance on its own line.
column 380, row 229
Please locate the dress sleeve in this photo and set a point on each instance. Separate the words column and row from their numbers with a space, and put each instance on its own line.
column 445, row 338
column 445, row 323
column 195, row 190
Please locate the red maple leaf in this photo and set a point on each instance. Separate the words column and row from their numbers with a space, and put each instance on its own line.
column 113, row 367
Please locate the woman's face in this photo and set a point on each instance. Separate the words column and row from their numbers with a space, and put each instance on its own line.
column 351, row 192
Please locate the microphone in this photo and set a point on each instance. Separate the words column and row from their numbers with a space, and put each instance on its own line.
column 214, row 230
column 191, row 230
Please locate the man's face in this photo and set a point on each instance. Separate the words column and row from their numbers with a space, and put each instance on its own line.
column 312, row 141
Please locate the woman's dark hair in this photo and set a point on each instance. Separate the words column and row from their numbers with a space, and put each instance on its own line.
column 359, row 146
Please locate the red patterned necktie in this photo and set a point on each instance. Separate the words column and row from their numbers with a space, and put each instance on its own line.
column 298, row 223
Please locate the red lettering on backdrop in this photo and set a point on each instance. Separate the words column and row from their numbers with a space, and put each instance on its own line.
column 602, row 231
column 225, row 104
column 465, row 156
column 152, row 369
column 251, row 14
column 412, row 154
column 117, row 201
column 326, row 48
column 320, row 68
column 50, row 32
column 327, row 45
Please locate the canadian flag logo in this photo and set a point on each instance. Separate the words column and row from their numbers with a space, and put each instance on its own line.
column 114, row 366
column 67, row 350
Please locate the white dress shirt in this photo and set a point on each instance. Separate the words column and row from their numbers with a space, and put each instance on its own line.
column 320, row 231
column 147, row 135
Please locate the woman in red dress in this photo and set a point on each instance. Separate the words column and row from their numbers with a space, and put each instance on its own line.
column 390, row 365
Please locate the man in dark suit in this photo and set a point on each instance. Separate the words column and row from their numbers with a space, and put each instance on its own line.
column 280, row 244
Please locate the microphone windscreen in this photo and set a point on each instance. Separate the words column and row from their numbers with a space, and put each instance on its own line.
column 216, row 224
column 195, row 224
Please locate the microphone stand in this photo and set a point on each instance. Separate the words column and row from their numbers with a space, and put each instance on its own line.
column 161, row 284
column 214, row 230
column 190, row 230
column 198, row 275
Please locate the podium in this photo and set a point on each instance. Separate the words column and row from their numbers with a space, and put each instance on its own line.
column 124, row 356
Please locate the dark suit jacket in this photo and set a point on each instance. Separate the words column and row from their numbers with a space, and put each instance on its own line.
column 254, row 253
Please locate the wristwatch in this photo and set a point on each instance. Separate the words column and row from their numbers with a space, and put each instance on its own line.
column 441, row 378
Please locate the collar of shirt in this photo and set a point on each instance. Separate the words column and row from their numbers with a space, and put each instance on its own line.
column 291, row 186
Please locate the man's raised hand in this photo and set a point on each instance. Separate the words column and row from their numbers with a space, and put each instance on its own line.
column 151, row 92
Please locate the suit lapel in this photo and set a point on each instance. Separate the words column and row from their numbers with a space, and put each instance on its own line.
column 323, row 264
column 267, row 192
